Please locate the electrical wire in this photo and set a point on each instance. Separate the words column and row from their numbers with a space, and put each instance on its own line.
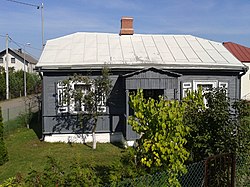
column 20, row 45
column 24, row 3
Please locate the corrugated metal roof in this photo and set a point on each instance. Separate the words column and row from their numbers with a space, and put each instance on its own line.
column 239, row 51
column 139, row 50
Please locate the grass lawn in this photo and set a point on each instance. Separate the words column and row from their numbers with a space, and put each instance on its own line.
column 26, row 152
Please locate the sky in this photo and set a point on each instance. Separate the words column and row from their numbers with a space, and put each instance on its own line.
column 217, row 20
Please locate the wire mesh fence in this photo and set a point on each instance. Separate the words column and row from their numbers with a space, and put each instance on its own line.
column 243, row 171
column 195, row 176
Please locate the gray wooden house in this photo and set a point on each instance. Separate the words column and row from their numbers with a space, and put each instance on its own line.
column 159, row 64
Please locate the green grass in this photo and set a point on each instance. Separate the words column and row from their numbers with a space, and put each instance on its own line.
column 26, row 152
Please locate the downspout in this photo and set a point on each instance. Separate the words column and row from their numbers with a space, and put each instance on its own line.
column 245, row 69
column 41, row 76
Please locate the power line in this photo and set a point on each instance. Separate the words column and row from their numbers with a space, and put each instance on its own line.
column 20, row 45
column 24, row 3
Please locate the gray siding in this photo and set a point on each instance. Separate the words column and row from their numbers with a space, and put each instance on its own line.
column 116, row 118
column 233, row 83
column 150, row 80
column 62, row 123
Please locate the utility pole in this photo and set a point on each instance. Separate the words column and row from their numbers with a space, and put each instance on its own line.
column 7, row 66
column 24, row 70
column 42, row 20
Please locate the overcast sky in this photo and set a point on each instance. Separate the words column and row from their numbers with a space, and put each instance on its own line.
column 218, row 20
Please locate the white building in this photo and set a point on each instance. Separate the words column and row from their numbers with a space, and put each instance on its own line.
column 16, row 60
column 242, row 53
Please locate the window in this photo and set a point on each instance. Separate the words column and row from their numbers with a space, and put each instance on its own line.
column 186, row 86
column 1, row 60
column 80, row 90
column 76, row 102
column 13, row 60
column 224, row 85
column 101, row 106
column 61, row 98
column 206, row 86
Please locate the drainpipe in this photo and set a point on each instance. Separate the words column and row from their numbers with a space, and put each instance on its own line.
column 41, row 76
column 245, row 69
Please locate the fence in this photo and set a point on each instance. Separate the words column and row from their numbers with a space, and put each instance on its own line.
column 195, row 176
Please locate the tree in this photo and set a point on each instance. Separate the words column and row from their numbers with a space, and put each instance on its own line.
column 221, row 127
column 3, row 150
column 163, row 134
column 94, row 95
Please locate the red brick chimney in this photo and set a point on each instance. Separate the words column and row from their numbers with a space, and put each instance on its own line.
column 127, row 26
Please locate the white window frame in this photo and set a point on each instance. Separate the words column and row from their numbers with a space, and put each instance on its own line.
column 186, row 87
column 1, row 60
column 224, row 85
column 73, row 102
column 101, row 106
column 214, row 84
column 62, row 106
column 204, row 82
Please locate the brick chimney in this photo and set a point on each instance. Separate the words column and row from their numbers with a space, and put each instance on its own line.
column 127, row 26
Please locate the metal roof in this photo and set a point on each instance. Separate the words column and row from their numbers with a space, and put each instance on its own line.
column 92, row 50
column 239, row 51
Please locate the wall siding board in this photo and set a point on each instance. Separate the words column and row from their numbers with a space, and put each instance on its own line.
column 116, row 119
column 52, row 120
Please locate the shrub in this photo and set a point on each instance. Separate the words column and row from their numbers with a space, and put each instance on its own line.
column 163, row 135
column 3, row 149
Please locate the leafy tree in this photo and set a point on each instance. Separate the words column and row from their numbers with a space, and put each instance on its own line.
column 163, row 134
column 221, row 127
column 98, row 92
column 3, row 150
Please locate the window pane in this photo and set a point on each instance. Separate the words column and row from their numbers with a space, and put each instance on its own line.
column 13, row 60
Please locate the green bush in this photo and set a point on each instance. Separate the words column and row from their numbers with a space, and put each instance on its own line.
column 16, row 83
column 221, row 127
column 3, row 149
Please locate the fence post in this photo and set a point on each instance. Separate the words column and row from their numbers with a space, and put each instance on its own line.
column 8, row 114
column 206, row 173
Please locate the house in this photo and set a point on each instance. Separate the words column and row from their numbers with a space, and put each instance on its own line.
column 242, row 53
column 159, row 64
column 16, row 60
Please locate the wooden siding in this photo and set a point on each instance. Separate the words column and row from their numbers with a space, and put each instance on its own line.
column 233, row 83
column 61, row 123
column 116, row 118
column 149, row 80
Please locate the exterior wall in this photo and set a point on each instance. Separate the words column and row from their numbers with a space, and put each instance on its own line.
column 115, row 120
column 18, row 65
column 149, row 80
column 245, row 84
column 233, row 82
column 53, row 122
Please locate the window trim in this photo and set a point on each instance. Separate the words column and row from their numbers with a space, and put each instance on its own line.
column 71, row 106
column 62, row 107
column 214, row 83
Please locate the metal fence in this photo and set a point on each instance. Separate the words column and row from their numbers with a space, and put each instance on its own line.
column 195, row 176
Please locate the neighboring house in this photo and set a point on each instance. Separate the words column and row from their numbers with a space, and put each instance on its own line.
column 159, row 64
column 16, row 60
column 242, row 53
